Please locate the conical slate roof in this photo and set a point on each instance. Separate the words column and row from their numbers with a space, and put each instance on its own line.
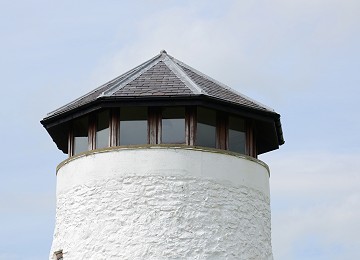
column 160, row 77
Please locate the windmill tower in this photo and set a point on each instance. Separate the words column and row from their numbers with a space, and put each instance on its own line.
column 163, row 165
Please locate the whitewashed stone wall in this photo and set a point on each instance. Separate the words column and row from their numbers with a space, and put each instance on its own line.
column 168, row 205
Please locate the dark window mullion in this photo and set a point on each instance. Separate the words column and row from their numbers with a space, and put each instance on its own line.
column 221, row 131
column 70, row 142
column 154, row 125
column 158, row 126
column 92, row 132
column 250, row 139
column 114, row 126
column 190, row 125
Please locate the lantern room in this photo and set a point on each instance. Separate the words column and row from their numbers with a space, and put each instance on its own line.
column 165, row 102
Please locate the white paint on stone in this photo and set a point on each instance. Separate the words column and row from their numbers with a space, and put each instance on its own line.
column 162, row 203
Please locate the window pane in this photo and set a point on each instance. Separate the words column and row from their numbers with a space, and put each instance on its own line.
column 102, row 130
column 236, row 134
column 133, row 126
column 80, row 130
column 206, row 127
column 173, row 125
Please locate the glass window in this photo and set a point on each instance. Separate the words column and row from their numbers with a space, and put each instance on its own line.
column 236, row 134
column 173, row 125
column 102, row 129
column 206, row 127
column 133, row 125
column 80, row 131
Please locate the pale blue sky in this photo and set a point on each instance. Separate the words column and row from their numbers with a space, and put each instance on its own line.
column 301, row 57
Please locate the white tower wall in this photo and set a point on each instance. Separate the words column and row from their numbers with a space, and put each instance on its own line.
column 162, row 203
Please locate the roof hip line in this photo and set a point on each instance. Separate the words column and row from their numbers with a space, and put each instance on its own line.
column 223, row 85
column 132, row 75
column 176, row 69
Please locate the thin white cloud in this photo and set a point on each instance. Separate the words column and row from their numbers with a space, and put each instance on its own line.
column 271, row 48
column 315, row 196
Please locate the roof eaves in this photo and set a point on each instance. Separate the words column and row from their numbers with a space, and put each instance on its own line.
column 182, row 75
column 60, row 109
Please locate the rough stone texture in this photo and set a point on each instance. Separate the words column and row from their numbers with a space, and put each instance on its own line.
column 162, row 217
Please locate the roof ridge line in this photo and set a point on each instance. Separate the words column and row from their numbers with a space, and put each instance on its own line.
column 103, row 85
column 224, row 86
column 189, row 83
column 132, row 74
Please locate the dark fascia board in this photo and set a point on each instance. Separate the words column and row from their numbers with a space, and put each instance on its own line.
column 267, row 138
column 200, row 100
column 59, row 135
column 279, row 131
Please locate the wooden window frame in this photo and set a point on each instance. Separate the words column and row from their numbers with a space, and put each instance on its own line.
column 190, row 125
column 222, row 130
column 114, row 126
column 154, row 125
column 250, row 137
column 154, row 130
column 71, row 141
column 92, row 132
